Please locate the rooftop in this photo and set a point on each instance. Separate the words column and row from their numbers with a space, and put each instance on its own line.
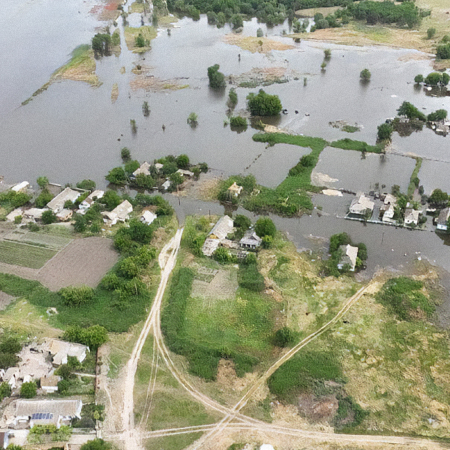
column 57, row 204
column 70, row 408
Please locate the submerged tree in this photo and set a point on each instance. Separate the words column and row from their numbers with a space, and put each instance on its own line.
column 216, row 78
column 145, row 109
column 101, row 43
column 365, row 75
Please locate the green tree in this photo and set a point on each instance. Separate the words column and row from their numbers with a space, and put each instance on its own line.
column 140, row 41
column 431, row 32
column 242, row 222
column 49, row 217
column 117, row 176
column 28, row 390
column 216, row 78
column 435, row 116
column 336, row 240
column 222, row 255
column 192, row 119
column 76, row 295
column 384, row 131
column 259, row 33
column 443, row 51
column 236, row 21
column 264, row 104
column 433, row 79
column 131, row 166
column 133, row 126
column 43, row 198
column 265, row 227
column 111, row 199
column 96, row 444
column 365, row 75
column 438, row 198
column 145, row 109
column 79, row 224
column 410, row 111
column 5, row 390
column 42, row 182
column 284, row 337
column 95, row 336
column 238, row 122
column 88, row 185
column 101, row 43
column 418, row 79
column 232, row 98
column 183, row 161
column 125, row 154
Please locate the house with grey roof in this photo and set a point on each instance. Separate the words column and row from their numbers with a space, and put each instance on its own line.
column 349, row 255
column 250, row 240
column 219, row 232
column 361, row 206
column 442, row 220
column 57, row 203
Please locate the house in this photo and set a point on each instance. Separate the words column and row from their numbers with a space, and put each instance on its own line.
column 361, row 206
column 144, row 169
column 46, row 412
column 11, row 376
column 2, row 374
column 49, row 384
column 166, row 185
column 33, row 214
column 219, row 232
column 388, row 215
column 148, row 217
column 60, row 350
column 87, row 202
column 4, row 438
column 64, row 214
column 250, row 240
column 390, row 199
column 411, row 216
column 235, row 190
column 21, row 187
column 57, row 204
column 118, row 214
column 185, row 173
column 13, row 214
column 349, row 255
column 442, row 220
column 158, row 166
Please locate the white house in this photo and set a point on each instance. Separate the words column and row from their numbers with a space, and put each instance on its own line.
column 219, row 232
column 33, row 214
column 148, row 217
column 118, row 214
column 57, row 203
column 185, row 173
column 361, row 206
column 250, row 240
column 144, row 169
column 349, row 256
column 87, row 202
column 442, row 221
column 60, row 350
column 411, row 216
column 21, row 187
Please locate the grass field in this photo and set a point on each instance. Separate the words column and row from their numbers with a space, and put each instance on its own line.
column 24, row 255
column 131, row 34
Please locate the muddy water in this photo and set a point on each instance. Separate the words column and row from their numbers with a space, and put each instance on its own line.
column 73, row 131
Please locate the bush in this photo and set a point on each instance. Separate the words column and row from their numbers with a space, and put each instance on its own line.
column 216, row 78
column 43, row 198
column 431, row 32
column 28, row 390
column 93, row 337
column 265, row 227
column 76, row 296
column 385, row 131
column 365, row 75
column 222, row 255
column 117, row 176
column 125, row 154
column 232, row 98
column 443, row 51
column 263, row 104
column 87, row 185
column 259, row 33
column 418, row 79
column 48, row 217
column 238, row 121
column 336, row 240
column 63, row 386
column 410, row 111
column 183, row 162
column 42, row 182
column 5, row 390
column 284, row 337
column 440, row 114
column 96, row 444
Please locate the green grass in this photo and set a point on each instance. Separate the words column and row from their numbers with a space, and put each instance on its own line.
column 360, row 146
column 176, row 442
column 414, row 180
column 105, row 309
column 350, row 129
column 24, row 255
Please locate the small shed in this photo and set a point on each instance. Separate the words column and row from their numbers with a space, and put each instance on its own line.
column 250, row 241
column 235, row 190
column 64, row 214
column 148, row 217
column 49, row 384
column 144, row 169
column 349, row 255
column 21, row 187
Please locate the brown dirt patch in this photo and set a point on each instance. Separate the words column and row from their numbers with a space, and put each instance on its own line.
column 317, row 409
column 264, row 76
column 255, row 44
column 223, row 286
column 83, row 261
column 148, row 82
column 114, row 93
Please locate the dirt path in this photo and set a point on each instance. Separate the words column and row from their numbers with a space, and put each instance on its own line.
column 287, row 356
column 167, row 259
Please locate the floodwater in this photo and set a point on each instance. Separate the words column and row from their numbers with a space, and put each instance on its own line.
column 73, row 131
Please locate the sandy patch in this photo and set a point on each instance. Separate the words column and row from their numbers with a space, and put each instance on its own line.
column 255, row 44
column 322, row 179
column 114, row 93
column 5, row 300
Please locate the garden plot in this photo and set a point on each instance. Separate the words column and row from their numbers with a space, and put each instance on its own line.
column 25, row 255
column 222, row 286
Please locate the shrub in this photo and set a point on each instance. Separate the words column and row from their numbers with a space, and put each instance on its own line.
column 232, row 98
column 284, row 337
column 96, row 444
column 365, row 75
column 192, row 119
column 117, row 176
column 93, row 336
column 265, row 227
column 76, row 295
column 263, row 104
column 418, row 79
column 125, row 154
column 28, row 390
column 440, row 114
column 259, row 33
column 5, row 390
column 48, row 217
column 222, row 255
column 443, row 51
column 88, row 185
column 42, row 182
column 433, row 78
column 18, row 219
column 385, row 131
column 43, row 198
column 216, row 78
column 238, row 121
column 431, row 32
column 183, row 161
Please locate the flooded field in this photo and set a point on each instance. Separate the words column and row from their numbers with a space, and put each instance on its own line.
column 73, row 131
